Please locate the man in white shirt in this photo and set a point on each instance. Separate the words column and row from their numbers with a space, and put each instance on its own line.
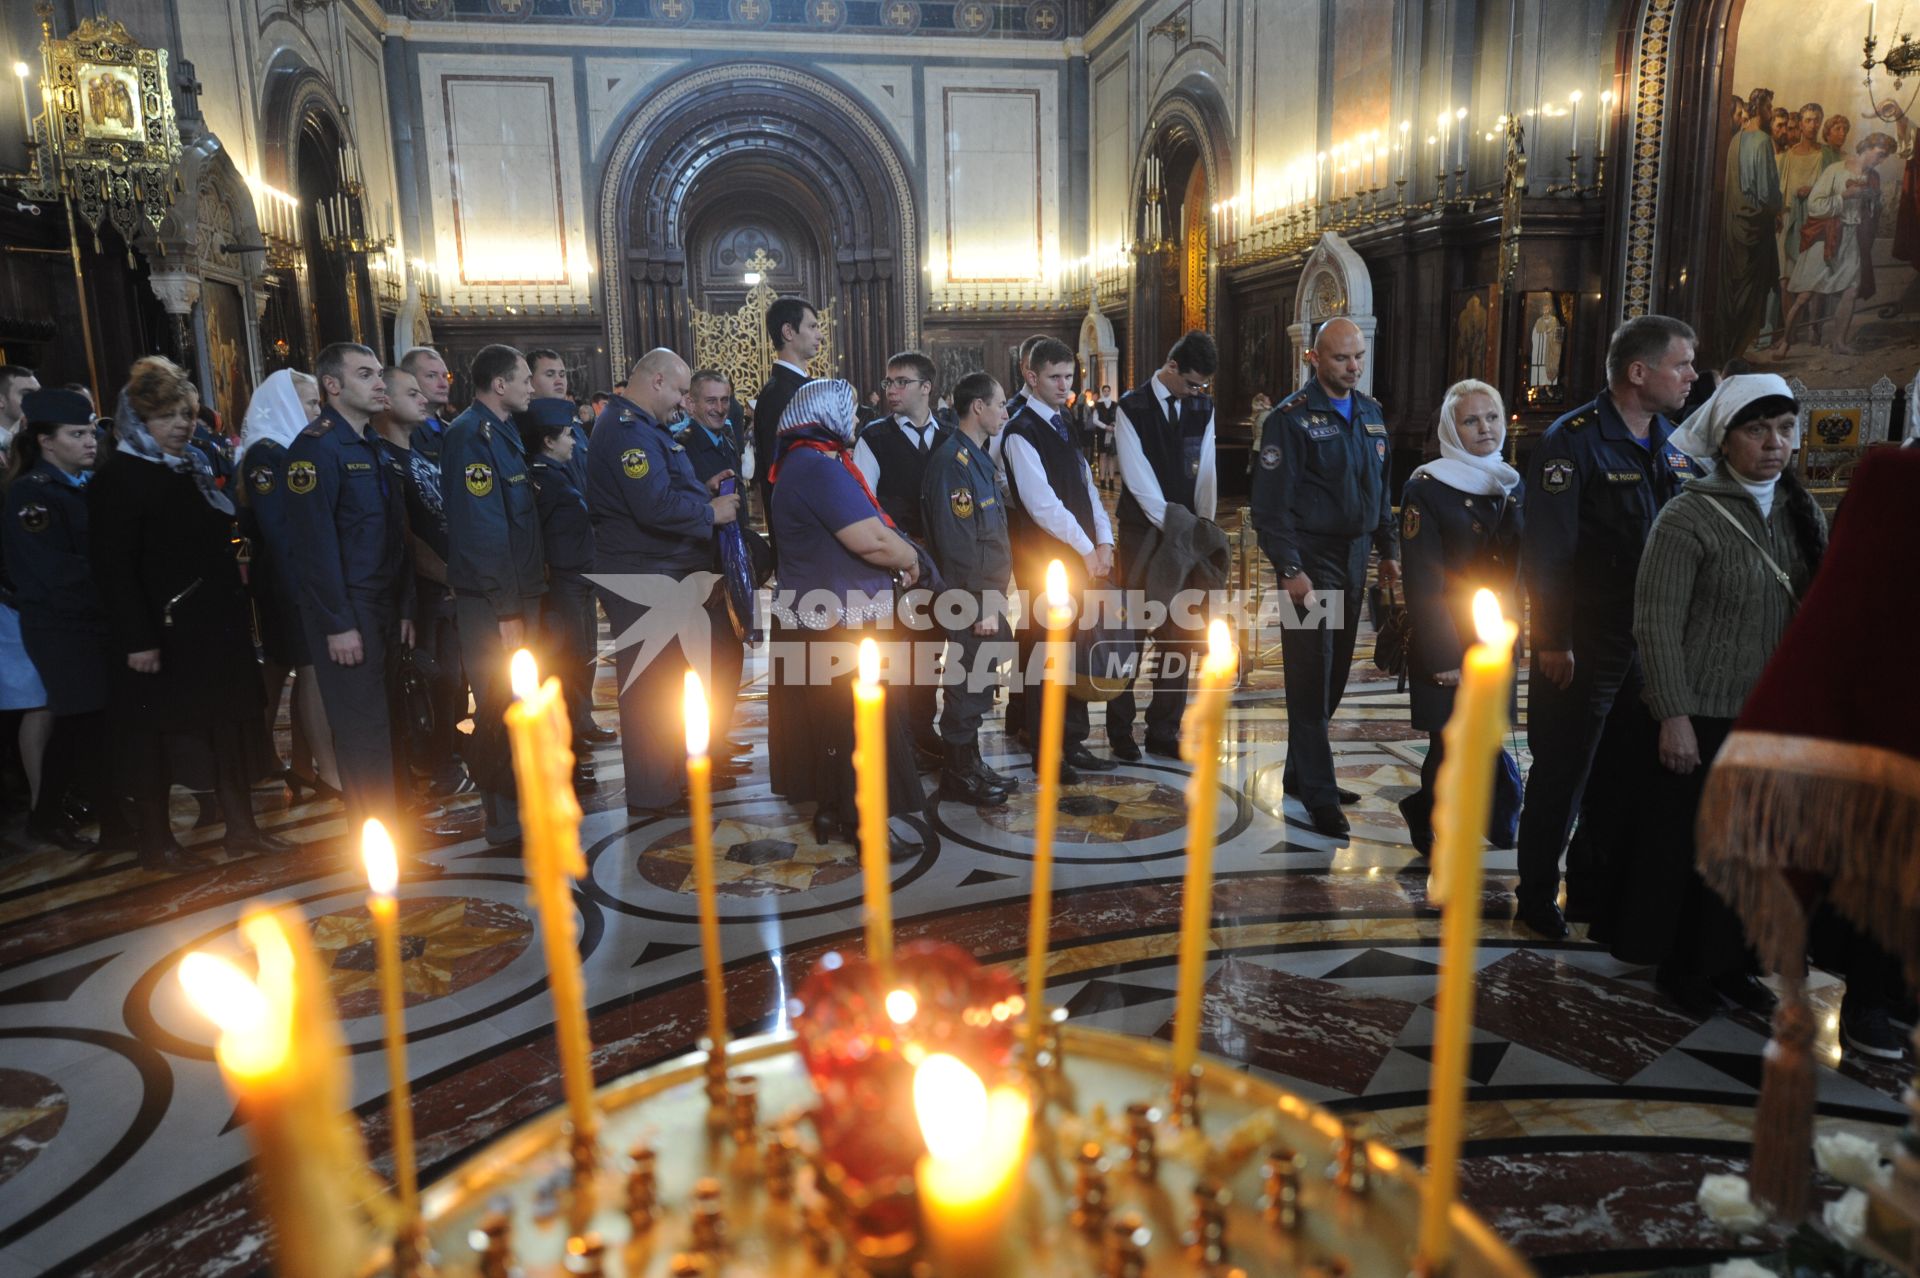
column 1056, row 515
column 1163, row 436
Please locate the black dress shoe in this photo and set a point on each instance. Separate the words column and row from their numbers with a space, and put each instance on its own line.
column 1163, row 747
column 412, row 867
column 1124, row 749
column 1329, row 819
column 257, row 841
column 829, row 828
column 1543, row 917
column 1086, row 760
column 1346, row 795
column 1419, row 827
column 641, row 812
column 1694, row 997
column 172, row 860
column 599, row 735
column 1069, row 775
column 900, row 848
column 1743, row 989
column 925, row 760
column 64, row 837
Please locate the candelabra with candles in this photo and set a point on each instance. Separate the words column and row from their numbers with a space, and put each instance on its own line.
column 278, row 216
column 1901, row 60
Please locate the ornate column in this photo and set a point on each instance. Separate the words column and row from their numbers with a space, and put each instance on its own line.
column 178, row 291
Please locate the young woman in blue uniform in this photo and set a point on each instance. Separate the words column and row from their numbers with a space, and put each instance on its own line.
column 61, row 619
column 1460, row 520
column 568, row 624
column 284, row 405
column 161, row 541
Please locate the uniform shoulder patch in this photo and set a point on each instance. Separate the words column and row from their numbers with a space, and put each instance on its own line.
column 1557, row 475
column 34, row 517
column 1270, row 457
column 37, row 477
column 479, row 477
column 634, row 463
column 261, row 477
column 302, row 476
column 960, row 455
column 318, row 429
column 1409, row 522
column 1581, row 422
column 960, row 500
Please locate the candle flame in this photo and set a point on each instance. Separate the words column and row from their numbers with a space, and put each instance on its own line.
column 222, row 993
column 20, row 69
column 1575, row 96
column 524, row 673
column 1220, row 650
column 902, row 1006
column 693, row 701
column 255, row 1018
column 951, row 1103
column 1056, row 584
column 869, row 663
column 376, row 852
column 1487, row 620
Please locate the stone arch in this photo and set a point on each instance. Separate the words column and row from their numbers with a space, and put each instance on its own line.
column 1193, row 110
column 1099, row 350
column 796, row 121
column 1334, row 283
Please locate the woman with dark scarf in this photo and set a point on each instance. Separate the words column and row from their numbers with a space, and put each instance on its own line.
column 840, row 561
column 161, row 537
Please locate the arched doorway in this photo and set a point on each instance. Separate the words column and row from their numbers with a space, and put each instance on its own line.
column 1175, row 283
column 732, row 158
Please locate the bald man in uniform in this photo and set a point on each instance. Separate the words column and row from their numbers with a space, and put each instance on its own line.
column 1319, row 497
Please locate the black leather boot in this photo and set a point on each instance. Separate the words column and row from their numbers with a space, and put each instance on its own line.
column 961, row 782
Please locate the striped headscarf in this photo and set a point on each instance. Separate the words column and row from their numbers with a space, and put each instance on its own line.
column 825, row 403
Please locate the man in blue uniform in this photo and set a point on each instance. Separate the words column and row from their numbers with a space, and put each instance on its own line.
column 1598, row 477
column 350, row 553
column 653, row 524
column 1319, row 498
column 1163, row 432
column 965, row 524
column 494, row 564
column 892, row 456
column 433, row 605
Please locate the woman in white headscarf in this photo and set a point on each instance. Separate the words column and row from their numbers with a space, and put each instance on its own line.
column 283, row 406
column 1460, row 519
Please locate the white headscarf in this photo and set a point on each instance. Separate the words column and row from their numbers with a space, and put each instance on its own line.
column 275, row 413
column 1457, row 468
column 1701, row 435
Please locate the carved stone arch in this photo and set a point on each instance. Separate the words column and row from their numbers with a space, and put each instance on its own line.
column 695, row 126
column 1193, row 112
column 1099, row 351
column 295, row 95
column 1334, row 283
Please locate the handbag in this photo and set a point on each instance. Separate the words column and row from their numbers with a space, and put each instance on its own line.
column 1393, row 638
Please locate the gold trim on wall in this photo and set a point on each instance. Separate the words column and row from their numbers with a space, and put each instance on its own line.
column 1653, row 54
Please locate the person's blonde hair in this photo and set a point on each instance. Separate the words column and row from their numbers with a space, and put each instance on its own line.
column 157, row 386
column 1459, row 391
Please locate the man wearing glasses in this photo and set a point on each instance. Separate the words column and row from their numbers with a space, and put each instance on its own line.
column 892, row 455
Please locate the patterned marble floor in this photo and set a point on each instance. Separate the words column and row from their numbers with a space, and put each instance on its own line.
column 1596, row 1107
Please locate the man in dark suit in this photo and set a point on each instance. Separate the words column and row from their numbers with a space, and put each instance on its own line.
column 793, row 324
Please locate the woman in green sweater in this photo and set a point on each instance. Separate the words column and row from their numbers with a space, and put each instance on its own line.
column 1727, row 562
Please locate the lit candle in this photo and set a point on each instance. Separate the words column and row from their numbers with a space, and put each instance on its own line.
column 870, row 788
column 1053, row 718
column 1460, row 139
column 1605, row 126
column 1464, row 791
column 975, row 1165
column 550, row 819
column 21, row 71
column 1405, row 127
column 280, row 1053
column 700, row 809
column 1201, row 746
column 1573, row 124
column 383, row 875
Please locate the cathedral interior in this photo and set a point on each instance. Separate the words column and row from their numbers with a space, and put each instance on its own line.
column 1487, row 189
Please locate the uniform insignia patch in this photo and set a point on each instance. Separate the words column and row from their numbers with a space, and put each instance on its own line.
column 486, row 431
column 1380, row 447
column 34, row 517
column 1322, row 430
column 1624, row 476
column 479, row 478
column 1409, row 522
column 960, row 455
column 302, row 476
column 1557, row 475
column 261, row 477
column 1270, row 457
column 634, row 463
column 961, row 500
column 1376, row 428
column 1679, row 462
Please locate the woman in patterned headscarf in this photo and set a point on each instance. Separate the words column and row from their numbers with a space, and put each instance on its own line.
column 840, row 563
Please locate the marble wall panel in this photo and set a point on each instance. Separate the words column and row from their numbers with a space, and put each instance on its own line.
column 993, row 174
column 889, row 91
column 615, row 89
column 1112, row 156
column 1284, row 71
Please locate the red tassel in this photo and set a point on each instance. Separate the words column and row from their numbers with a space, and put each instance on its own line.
column 1782, row 1171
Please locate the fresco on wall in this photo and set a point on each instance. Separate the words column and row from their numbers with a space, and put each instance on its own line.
column 1817, row 228
column 226, row 351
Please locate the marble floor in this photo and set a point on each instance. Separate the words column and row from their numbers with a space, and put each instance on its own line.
column 1596, row 1107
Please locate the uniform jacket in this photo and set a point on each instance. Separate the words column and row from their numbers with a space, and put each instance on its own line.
column 263, row 519
column 1161, row 462
column 564, row 525
column 347, row 517
column 45, row 538
column 1593, row 494
column 166, row 565
column 965, row 520
column 775, row 394
column 493, row 521
column 1452, row 543
column 651, row 513
column 1321, row 476
column 710, row 458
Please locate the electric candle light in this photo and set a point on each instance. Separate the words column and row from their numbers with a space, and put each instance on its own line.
column 870, row 777
column 700, row 810
column 383, row 875
column 1460, row 139
column 970, row 1179
column 1201, row 745
column 1053, row 719
column 1463, row 795
column 1605, row 125
column 550, row 820
column 21, row 71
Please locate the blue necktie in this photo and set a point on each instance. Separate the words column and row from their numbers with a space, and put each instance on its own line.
column 1060, row 428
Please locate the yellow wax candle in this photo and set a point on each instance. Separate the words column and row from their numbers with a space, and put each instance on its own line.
column 383, row 875
column 976, row 1162
column 870, row 777
column 700, row 809
column 1053, row 717
column 280, row 1053
column 1463, row 795
column 1201, row 745
column 550, row 821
